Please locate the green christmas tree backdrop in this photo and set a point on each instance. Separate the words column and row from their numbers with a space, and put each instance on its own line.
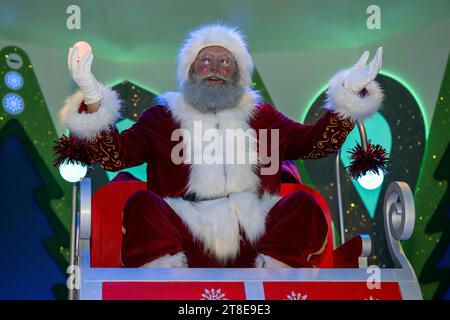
column 430, row 240
column 34, row 129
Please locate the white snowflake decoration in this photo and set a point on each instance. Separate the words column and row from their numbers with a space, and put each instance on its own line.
column 371, row 298
column 213, row 295
column 296, row 296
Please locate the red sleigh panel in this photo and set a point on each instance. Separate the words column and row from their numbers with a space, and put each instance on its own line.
column 106, row 228
column 173, row 291
column 233, row 290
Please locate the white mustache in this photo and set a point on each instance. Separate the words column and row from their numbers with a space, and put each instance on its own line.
column 214, row 74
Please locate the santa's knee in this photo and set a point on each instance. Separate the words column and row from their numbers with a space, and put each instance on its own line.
column 141, row 206
column 303, row 203
column 308, row 217
column 299, row 214
column 300, row 195
column 141, row 198
column 297, row 227
column 151, row 230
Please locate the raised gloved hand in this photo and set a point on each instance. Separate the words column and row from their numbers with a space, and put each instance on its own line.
column 360, row 76
column 80, row 70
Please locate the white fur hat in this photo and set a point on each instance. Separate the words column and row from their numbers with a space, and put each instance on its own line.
column 215, row 35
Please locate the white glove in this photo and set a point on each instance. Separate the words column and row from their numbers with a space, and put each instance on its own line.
column 360, row 75
column 80, row 70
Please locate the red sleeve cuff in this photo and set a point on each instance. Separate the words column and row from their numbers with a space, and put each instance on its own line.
column 363, row 92
column 82, row 108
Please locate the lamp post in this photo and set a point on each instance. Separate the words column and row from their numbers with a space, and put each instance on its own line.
column 73, row 172
column 368, row 180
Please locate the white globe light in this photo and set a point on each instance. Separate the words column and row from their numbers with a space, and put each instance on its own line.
column 371, row 180
column 72, row 172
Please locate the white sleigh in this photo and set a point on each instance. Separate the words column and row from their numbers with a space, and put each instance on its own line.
column 342, row 274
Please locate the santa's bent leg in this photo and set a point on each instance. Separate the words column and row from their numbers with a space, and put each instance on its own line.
column 296, row 232
column 152, row 233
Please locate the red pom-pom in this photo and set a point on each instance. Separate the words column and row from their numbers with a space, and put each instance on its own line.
column 374, row 159
column 71, row 149
column 363, row 92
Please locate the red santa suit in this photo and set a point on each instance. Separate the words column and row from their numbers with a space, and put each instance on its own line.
column 219, row 214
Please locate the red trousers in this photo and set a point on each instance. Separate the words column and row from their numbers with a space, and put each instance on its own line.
column 296, row 229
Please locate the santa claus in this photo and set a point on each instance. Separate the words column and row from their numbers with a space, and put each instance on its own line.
column 216, row 213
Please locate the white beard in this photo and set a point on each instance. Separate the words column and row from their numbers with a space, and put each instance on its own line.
column 206, row 98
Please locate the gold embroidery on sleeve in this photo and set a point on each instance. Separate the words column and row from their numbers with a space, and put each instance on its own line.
column 104, row 151
column 335, row 133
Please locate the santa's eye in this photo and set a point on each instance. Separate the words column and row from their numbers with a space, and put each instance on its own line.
column 224, row 62
column 206, row 61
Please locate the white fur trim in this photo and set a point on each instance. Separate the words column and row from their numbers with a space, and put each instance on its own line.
column 88, row 125
column 216, row 222
column 177, row 260
column 349, row 105
column 264, row 261
column 217, row 180
column 252, row 211
column 215, row 35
